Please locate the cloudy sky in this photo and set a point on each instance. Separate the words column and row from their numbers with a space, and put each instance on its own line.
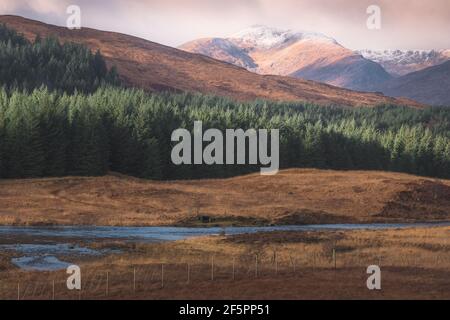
column 405, row 24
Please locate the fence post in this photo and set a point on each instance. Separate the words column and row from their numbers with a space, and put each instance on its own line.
column 53, row 290
column 188, row 273
column 292, row 260
column 256, row 265
column 18, row 290
column 212, row 268
column 276, row 263
column 107, row 283
column 234, row 271
column 314, row 261
column 134, row 279
column 334, row 258
column 162, row 275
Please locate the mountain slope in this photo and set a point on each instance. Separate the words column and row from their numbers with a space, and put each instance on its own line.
column 401, row 62
column 348, row 72
column 223, row 50
column 153, row 66
column 431, row 85
column 305, row 55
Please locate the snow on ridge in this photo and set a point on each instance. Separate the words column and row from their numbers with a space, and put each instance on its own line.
column 223, row 43
column 268, row 37
column 402, row 55
column 402, row 62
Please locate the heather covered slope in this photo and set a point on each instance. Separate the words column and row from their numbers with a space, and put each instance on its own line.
column 156, row 67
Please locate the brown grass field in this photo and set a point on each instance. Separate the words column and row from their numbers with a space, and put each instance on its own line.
column 297, row 196
column 415, row 264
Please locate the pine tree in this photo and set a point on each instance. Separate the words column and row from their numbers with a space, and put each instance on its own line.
column 89, row 151
column 24, row 155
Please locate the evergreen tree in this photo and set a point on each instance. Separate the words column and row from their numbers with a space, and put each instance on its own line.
column 47, row 133
column 67, row 67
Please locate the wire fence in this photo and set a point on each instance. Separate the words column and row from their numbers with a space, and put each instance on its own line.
column 138, row 280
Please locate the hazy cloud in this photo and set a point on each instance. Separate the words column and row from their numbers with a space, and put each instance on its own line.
column 406, row 24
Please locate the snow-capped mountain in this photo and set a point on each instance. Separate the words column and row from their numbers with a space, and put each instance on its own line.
column 402, row 62
column 263, row 37
column 307, row 55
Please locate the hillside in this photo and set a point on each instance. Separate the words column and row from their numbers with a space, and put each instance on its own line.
column 291, row 197
column 153, row 66
column 304, row 55
column 431, row 85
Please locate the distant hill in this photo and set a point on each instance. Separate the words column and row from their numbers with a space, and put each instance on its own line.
column 306, row 55
column 430, row 86
column 401, row 62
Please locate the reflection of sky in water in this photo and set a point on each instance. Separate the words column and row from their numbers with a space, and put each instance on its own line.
column 40, row 263
column 44, row 257
column 173, row 233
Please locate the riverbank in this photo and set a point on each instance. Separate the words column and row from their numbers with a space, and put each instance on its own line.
column 292, row 197
column 415, row 264
column 54, row 248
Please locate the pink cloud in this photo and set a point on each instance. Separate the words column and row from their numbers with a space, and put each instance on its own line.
column 406, row 24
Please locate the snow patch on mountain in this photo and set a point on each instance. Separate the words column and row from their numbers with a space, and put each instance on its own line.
column 221, row 49
column 263, row 37
column 402, row 56
column 401, row 62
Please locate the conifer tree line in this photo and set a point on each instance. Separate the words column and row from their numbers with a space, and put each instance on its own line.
column 47, row 133
column 66, row 67
column 63, row 113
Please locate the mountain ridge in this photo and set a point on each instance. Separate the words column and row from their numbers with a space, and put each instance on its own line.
column 155, row 67
column 304, row 55
column 401, row 62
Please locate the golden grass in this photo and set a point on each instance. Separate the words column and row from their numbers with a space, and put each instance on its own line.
column 297, row 196
column 415, row 263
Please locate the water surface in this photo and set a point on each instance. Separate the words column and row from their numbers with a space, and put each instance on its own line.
column 179, row 233
column 51, row 247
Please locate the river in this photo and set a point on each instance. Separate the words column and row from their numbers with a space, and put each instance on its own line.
column 41, row 248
